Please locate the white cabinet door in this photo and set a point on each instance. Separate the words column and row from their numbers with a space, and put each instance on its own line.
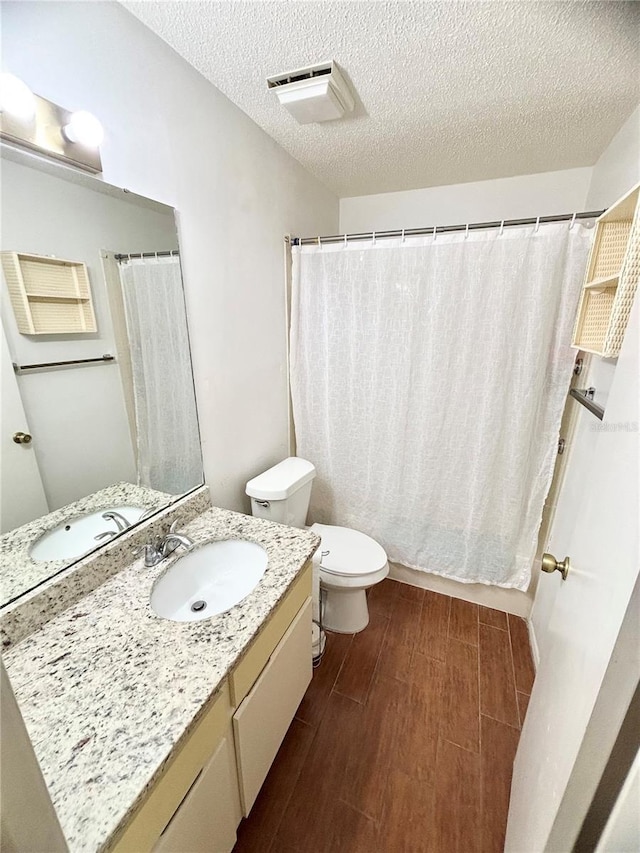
column 206, row 820
column 262, row 720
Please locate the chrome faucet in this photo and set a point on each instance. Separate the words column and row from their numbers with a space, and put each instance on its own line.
column 156, row 551
column 120, row 521
column 171, row 541
column 108, row 534
column 145, row 515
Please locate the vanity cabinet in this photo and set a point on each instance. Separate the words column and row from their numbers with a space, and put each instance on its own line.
column 207, row 818
column 247, row 670
column 216, row 775
column 262, row 720
column 178, row 794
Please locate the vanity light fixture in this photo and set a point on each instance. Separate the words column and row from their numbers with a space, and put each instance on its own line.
column 85, row 129
column 29, row 121
column 16, row 98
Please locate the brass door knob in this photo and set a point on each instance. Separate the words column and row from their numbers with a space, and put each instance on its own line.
column 550, row 564
column 22, row 438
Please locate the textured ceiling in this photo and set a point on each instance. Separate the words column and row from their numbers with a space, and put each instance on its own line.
column 448, row 91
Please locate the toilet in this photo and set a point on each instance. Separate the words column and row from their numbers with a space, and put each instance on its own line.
column 346, row 563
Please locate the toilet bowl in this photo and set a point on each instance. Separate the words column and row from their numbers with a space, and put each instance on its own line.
column 347, row 562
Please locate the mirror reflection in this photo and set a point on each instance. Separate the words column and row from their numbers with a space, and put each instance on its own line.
column 98, row 416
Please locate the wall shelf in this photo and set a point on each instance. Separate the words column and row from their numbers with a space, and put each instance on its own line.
column 49, row 296
column 612, row 279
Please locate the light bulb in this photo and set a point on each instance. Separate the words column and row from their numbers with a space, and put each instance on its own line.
column 16, row 98
column 85, row 129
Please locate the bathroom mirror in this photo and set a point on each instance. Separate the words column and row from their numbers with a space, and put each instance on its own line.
column 98, row 415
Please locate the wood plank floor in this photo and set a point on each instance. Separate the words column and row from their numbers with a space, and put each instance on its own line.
column 406, row 736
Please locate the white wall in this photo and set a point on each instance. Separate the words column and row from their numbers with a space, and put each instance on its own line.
column 172, row 136
column 618, row 167
column 81, row 433
column 545, row 194
column 616, row 172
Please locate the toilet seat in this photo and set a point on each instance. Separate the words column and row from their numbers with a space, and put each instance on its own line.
column 352, row 555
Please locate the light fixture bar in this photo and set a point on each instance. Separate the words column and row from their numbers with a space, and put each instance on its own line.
column 44, row 135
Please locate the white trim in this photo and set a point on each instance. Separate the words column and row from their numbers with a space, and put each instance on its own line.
column 291, row 435
column 533, row 643
column 508, row 600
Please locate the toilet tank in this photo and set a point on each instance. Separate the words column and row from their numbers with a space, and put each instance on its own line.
column 282, row 493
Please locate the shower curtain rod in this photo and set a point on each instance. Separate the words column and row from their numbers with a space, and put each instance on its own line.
column 164, row 254
column 444, row 229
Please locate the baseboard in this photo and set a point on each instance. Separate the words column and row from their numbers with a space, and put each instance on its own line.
column 508, row 600
column 533, row 642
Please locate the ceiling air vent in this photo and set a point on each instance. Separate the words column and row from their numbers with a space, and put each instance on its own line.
column 316, row 93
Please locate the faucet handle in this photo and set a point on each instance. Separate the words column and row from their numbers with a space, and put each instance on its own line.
column 148, row 513
column 141, row 549
column 152, row 553
column 174, row 525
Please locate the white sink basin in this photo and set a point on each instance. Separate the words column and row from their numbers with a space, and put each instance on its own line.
column 75, row 536
column 209, row 580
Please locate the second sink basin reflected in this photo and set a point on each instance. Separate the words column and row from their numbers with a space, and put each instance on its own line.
column 75, row 536
column 209, row 580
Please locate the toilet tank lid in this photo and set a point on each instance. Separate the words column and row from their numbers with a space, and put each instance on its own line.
column 282, row 480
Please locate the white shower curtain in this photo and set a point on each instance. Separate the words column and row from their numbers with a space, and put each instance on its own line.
column 169, row 457
column 428, row 380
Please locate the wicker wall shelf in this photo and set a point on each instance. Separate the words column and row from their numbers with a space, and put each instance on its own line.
column 50, row 296
column 612, row 279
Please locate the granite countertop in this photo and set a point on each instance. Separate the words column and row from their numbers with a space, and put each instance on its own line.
column 19, row 572
column 108, row 689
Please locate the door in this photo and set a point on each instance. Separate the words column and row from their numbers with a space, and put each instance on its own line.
column 601, row 539
column 22, row 495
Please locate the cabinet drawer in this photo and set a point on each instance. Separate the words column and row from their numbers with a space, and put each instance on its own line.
column 157, row 810
column 252, row 664
column 206, row 820
column 262, row 720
